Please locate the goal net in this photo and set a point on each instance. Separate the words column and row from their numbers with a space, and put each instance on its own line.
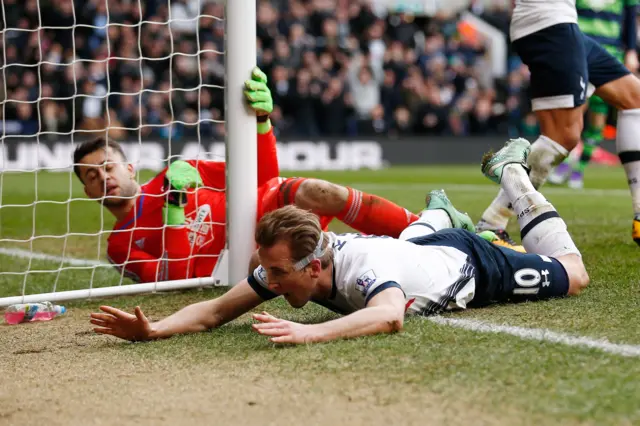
column 164, row 79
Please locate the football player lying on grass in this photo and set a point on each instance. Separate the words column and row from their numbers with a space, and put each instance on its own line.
column 375, row 281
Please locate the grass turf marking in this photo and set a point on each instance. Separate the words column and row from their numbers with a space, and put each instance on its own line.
column 541, row 335
column 26, row 254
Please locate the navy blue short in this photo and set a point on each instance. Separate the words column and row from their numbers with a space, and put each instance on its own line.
column 502, row 274
column 562, row 61
column 603, row 66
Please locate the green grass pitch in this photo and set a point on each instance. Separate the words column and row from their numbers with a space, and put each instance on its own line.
column 533, row 381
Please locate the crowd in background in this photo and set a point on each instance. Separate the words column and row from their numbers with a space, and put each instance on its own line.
column 335, row 68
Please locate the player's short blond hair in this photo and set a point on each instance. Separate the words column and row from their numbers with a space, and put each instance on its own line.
column 300, row 228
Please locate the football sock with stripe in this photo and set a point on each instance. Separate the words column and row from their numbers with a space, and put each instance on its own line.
column 542, row 229
column 374, row 215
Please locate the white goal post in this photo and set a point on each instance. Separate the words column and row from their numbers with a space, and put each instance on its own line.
column 31, row 253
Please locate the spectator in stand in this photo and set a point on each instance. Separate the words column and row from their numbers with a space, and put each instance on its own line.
column 390, row 96
column 303, row 102
column 335, row 104
column 365, row 78
column 335, row 68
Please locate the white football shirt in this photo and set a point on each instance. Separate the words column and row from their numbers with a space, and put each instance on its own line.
column 433, row 278
column 530, row 16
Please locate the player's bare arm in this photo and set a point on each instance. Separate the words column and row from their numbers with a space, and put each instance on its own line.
column 194, row 318
column 384, row 314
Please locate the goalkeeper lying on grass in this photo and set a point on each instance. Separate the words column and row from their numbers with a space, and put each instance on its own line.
column 173, row 226
column 375, row 281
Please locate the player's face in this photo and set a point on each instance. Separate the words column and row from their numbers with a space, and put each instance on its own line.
column 297, row 287
column 108, row 177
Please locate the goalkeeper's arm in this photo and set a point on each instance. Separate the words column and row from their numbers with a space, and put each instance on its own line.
column 141, row 266
column 213, row 173
column 258, row 96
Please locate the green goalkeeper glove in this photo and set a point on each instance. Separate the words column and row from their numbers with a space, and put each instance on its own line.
column 180, row 177
column 259, row 97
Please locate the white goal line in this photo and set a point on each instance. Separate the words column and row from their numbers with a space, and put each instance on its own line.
column 540, row 335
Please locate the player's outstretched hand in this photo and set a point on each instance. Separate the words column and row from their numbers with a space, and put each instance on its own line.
column 122, row 324
column 282, row 331
column 258, row 94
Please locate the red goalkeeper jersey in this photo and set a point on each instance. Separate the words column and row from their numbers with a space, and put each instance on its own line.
column 149, row 251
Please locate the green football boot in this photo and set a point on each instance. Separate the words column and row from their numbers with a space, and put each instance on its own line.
column 514, row 151
column 437, row 199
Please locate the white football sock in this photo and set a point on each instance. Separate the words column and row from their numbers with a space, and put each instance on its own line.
column 544, row 156
column 542, row 230
column 430, row 221
column 628, row 147
column 497, row 215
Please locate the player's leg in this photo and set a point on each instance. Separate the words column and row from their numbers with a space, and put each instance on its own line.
column 592, row 136
column 557, row 61
column 438, row 214
column 367, row 213
column 543, row 231
column 572, row 171
column 621, row 89
column 281, row 191
column 546, row 153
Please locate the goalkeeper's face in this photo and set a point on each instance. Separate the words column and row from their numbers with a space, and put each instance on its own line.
column 107, row 177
